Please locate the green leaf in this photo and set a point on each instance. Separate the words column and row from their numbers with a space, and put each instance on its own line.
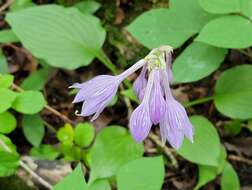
column 7, row 97
column 229, row 179
column 21, row 4
column 29, row 102
column 129, row 93
column 74, row 181
column 205, row 138
column 8, row 142
column 69, row 44
column 66, row 134
column 246, row 8
column 8, row 163
column 100, row 185
column 6, row 80
column 142, row 174
column 88, row 7
column 7, row 122
column 8, row 36
column 44, row 152
column 233, row 127
column 219, row 33
column 33, row 129
column 3, row 63
column 84, row 134
column 169, row 26
column 233, row 92
column 208, row 173
column 197, row 61
column 37, row 79
column 113, row 147
column 220, row 6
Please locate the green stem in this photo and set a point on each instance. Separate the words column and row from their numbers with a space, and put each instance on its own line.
column 106, row 61
column 198, row 101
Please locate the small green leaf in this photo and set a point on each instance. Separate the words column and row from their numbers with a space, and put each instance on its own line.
column 233, row 127
column 84, row 134
column 8, row 36
column 33, row 129
column 69, row 44
column 8, row 142
column 88, row 7
column 66, row 134
column 220, row 6
column 7, row 97
column 233, row 92
column 208, row 173
column 113, row 147
column 205, row 138
column 44, row 152
column 169, row 26
column 8, row 163
column 197, row 61
column 7, row 122
column 74, row 181
column 219, row 33
column 29, row 102
column 142, row 174
column 37, row 79
column 229, row 178
column 6, row 81
column 100, row 185
column 3, row 63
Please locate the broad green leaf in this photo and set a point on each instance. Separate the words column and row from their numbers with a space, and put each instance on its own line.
column 205, row 138
column 169, row 26
column 69, row 44
column 74, row 181
column 229, row 178
column 219, row 32
column 129, row 93
column 233, row 92
column 100, row 185
column 84, row 134
column 246, row 8
column 29, row 102
column 7, row 122
column 197, row 61
column 7, row 97
column 88, row 7
column 33, row 129
column 208, row 173
column 44, row 152
column 8, row 36
column 37, row 79
column 66, row 134
column 113, row 147
column 8, row 163
column 3, row 63
column 141, row 174
column 6, row 81
column 220, row 6
column 8, row 142
column 21, row 4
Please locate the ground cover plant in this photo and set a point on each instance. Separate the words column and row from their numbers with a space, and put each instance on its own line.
column 77, row 112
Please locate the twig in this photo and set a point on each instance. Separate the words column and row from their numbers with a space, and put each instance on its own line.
column 47, row 107
column 6, row 5
column 240, row 159
column 166, row 150
column 27, row 168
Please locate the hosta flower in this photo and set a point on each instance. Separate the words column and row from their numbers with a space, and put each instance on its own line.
column 152, row 86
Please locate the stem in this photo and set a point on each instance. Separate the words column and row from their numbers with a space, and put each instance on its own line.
column 27, row 168
column 106, row 61
column 198, row 101
column 166, row 150
column 247, row 53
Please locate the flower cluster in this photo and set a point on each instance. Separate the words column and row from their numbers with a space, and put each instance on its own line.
column 152, row 86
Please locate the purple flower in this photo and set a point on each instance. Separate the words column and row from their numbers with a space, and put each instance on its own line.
column 152, row 86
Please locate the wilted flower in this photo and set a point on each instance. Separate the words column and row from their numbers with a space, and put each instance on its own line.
column 152, row 86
